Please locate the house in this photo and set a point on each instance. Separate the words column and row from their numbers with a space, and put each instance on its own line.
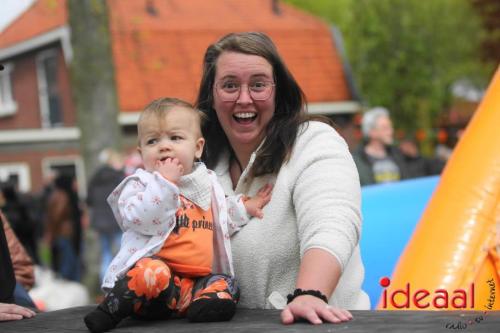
column 157, row 49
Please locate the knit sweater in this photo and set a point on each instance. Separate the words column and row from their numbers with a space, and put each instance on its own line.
column 315, row 204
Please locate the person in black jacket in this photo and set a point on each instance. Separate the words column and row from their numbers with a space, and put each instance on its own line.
column 418, row 165
column 9, row 311
column 102, row 220
column 17, row 210
column 377, row 160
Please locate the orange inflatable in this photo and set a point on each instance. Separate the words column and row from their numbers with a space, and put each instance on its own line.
column 452, row 261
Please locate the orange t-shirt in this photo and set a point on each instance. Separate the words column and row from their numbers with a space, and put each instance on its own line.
column 188, row 250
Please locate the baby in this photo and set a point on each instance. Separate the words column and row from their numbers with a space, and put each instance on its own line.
column 175, row 255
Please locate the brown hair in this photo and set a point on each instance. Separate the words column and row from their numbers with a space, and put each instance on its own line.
column 159, row 107
column 290, row 101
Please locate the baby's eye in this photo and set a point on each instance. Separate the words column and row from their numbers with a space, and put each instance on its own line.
column 151, row 141
column 176, row 138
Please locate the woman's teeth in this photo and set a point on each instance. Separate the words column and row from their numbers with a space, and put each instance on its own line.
column 245, row 116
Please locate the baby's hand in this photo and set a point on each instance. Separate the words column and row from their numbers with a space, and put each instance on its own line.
column 255, row 204
column 171, row 169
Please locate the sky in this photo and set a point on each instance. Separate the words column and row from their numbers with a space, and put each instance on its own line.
column 10, row 9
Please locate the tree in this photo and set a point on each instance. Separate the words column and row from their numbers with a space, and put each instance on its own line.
column 410, row 52
column 406, row 54
column 93, row 80
column 489, row 10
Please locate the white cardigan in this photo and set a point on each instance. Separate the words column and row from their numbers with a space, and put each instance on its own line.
column 315, row 204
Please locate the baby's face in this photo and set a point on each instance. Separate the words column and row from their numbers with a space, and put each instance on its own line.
column 176, row 135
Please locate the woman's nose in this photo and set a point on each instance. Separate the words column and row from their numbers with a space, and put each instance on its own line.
column 244, row 97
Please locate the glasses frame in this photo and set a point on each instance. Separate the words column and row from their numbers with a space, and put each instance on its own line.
column 218, row 90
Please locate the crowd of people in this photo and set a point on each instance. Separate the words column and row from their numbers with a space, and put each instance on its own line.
column 247, row 139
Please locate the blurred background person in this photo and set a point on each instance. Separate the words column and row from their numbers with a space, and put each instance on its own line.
column 21, row 220
column 377, row 159
column 17, row 264
column 64, row 228
column 133, row 161
column 416, row 164
column 10, row 287
column 102, row 220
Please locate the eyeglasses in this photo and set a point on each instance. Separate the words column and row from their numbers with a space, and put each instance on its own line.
column 229, row 91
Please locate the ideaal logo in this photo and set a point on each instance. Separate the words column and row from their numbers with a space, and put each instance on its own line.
column 440, row 299
column 422, row 298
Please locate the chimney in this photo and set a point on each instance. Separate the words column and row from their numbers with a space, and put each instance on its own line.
column 275, row 5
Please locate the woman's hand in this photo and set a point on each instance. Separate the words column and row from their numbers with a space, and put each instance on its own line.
column 313, row 310
column 14, row 312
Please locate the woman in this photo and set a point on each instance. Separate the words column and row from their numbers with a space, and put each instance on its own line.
column 258, row 133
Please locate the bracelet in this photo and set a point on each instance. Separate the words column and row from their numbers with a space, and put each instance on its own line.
column 298, row 292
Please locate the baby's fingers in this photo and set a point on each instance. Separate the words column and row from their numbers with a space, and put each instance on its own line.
column 265, row 190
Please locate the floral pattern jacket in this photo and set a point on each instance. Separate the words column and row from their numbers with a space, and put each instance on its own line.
column 144, row 205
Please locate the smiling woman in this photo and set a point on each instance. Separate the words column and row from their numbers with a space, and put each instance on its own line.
column 258, row 132
column 243, row 118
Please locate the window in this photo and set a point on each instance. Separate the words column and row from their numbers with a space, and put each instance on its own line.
column 18, row 173
column 67, row 165
column 7, row 104
column 48, row 89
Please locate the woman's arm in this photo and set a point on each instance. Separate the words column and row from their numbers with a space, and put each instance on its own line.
column 326, row 196
column 315, row 266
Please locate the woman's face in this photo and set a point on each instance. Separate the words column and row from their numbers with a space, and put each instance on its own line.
column 244, row 120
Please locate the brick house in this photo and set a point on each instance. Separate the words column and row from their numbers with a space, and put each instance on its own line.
column 157, row 49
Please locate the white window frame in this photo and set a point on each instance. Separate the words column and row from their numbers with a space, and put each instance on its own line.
column 23, row 173
column 42, row 87
column 8, row 105
column 75, row 160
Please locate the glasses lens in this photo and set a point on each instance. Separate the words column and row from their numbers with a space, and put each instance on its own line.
column 261, row 90
column 228, row 91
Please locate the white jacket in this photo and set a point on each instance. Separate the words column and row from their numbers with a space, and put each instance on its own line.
column 144, row 205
